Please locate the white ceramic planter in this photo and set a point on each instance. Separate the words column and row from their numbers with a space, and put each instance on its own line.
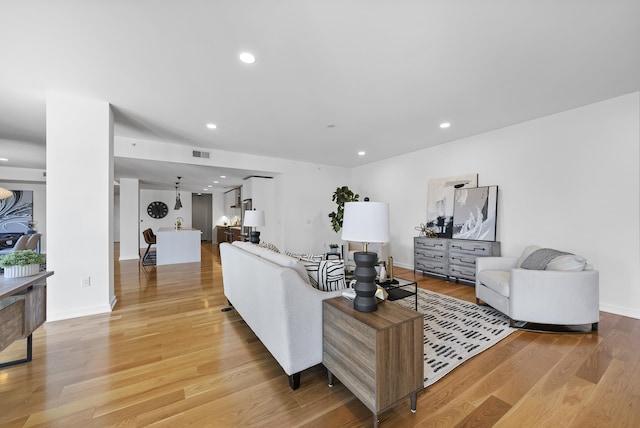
column 20, row 271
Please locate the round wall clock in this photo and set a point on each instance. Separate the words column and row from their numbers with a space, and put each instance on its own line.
column 157, row 209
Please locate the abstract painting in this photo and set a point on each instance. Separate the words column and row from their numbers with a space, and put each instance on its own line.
column 440, row 202
column 16, row 212
column 474, row 213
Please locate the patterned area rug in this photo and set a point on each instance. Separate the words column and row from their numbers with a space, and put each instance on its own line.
column 455, row 331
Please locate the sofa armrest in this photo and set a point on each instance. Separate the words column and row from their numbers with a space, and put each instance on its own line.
column 555, row 297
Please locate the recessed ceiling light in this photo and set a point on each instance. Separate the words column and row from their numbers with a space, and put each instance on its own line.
column 215, row 182
column 212, row 125
column 247, row 58
column 361, row 153
column 444, row 125
column 211, row 185
column 223, row 176
column 4, row 159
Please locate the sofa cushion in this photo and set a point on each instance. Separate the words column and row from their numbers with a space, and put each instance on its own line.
column 567, row 262
column 496, row 280
column 326, row 275
column 539, row 259
column 526, row 253
column 286, row 261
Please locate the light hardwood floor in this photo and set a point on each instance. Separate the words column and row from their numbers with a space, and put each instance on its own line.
column 167, row 356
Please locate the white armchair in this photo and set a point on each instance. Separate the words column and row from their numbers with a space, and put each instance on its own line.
column 553, row 297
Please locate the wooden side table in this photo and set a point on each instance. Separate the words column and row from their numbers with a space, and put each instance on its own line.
column 378, row 355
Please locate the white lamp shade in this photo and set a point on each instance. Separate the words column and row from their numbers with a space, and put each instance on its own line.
column 365, row 222
column 253, row 218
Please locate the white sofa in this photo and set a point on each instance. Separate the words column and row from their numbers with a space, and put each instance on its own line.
column 271, row 292
column 557, row 297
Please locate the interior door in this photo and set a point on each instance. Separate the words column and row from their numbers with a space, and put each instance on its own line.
column 201, row 216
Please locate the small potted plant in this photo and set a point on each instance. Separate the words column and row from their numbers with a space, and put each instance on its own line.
column 21, row 263
column 333, row 248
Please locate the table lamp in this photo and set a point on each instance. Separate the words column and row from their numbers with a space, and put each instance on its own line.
column 254, row 218
column 365, row 222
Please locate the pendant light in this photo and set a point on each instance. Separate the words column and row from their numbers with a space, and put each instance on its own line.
column 178, row 201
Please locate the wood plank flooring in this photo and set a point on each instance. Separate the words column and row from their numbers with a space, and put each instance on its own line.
column 168, row 357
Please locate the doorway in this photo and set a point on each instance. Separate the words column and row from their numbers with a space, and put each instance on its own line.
column 202, row 217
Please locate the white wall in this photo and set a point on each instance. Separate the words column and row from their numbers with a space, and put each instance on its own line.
column 569, row 181
column 302, row 190
column 169, row 198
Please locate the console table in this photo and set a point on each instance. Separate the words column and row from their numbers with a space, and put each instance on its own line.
column 23, row 308
column 378, row 355
column 451, row 258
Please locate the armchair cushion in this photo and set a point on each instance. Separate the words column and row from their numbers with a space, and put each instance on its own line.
column 496, row 280
column 539, row 258
column 569, row 262
column 525, row 254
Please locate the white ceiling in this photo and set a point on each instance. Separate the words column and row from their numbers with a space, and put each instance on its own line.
column 385, row 73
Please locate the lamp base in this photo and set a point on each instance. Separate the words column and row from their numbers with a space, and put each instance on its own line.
column 365, row 275
column 254, row 237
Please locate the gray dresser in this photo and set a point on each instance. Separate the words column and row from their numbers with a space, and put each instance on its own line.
column 451, row 258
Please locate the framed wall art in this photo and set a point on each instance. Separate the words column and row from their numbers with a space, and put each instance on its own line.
column 474, row 213
column 16, row 212
column 440, row 202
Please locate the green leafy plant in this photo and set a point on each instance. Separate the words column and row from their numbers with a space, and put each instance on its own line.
column 333, row 245
column 340, row 197
column 21, row 258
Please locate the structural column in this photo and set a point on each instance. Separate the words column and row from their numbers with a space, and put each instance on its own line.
column 129, row 218
column 79, row 206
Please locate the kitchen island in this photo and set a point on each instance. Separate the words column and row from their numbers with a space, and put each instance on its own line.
column 177, row 245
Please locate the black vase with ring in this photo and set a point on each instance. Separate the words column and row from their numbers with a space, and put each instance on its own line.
column 365, row 275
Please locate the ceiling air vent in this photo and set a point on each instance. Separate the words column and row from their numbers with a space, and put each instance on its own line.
column 199, row 154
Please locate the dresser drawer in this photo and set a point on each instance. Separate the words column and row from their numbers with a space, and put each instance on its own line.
column 463, row 272
column 477, row 248
column 462, row 259
column 430, row 244
column 435, row 266
column 429, row 255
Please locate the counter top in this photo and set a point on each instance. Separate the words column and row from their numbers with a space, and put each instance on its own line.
column 182, row 229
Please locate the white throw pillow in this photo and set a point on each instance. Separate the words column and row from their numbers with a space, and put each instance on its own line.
column 568, row 262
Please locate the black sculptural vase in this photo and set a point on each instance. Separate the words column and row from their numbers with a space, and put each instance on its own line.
column 365, row 275
column 254, row 237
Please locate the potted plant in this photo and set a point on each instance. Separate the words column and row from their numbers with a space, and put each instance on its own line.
column 340, row 196
column 333, row 248
column 21, row 263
